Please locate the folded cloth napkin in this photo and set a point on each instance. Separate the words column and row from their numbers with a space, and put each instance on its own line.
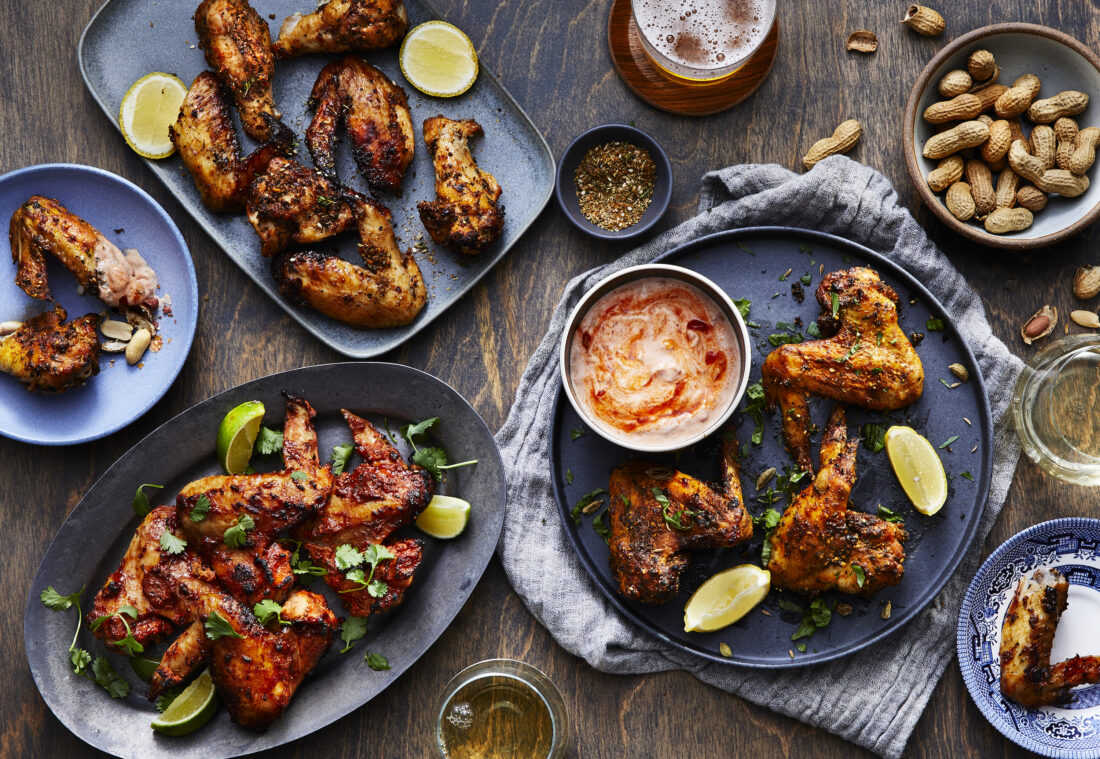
column 874, row 705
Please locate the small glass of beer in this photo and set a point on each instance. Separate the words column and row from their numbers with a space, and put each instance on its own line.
column 702, row 41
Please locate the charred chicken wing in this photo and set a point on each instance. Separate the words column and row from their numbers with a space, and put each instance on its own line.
column 658, row 514
column 237, row 44
column 865, row 359
column 342, row 25
column 49, row 356
column 207, row 141
column 352, row 93
column 1027, row 636
column 43, row 225
column 818, row 544
column 464, row 214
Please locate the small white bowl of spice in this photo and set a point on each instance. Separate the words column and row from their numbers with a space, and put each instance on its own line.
column 614, row 182
column 655, row 358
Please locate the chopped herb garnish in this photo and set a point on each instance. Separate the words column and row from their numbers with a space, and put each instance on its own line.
column 340, row 455
column 682, row 519
column 432, row 459
column 888, row 515
column 171, row 545
column 948, row 442
column 861, row 576
column 747, row 250
column 269, row 441
column 778, row 339
column 836, row 303
column 352, row 630
column 200, row 509
column 576, row 432
column 602, row 528
column 377, row 662
column 234, row 535
column 568, row 476
column 754, row 407
column 141, row 504
column 743, row 306
column 968, row 476
column 874, row 436
column 945, row 383
column 299, row 476
column 585, row 499
column 217, row 626
column 934, row 324
column 784, row 275
column 807, row 278
column 813, row 331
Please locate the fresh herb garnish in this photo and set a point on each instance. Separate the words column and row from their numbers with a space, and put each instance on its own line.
column 269, row 609
column 934, row 324
column 784, row 275
column 141, row 504
column 165, row 699
column 948, row 442
column 301, row 565
column 433, row 459
column 568, row 476
column 888, row 515
column 234, row 535
column 105, row 676
column 747, row 250
column 861, row 576
column 340, row 455
column 377, row 662
column 348, row 557
column 836, row 303
column 805, row 249
column 600, row 527
column 299, row 476
column 874, row 436
column 58, row 602
column 217, row 626
column 682, row 520
column 269, row 441
column 851, row 351
column 325, row 201
column 352, row 630
column 754, row 407
column 813, row 331
column 807, row 278
column 79, row 659
column 585, row 499
column 576, row 432
column 817, row 616
column 743, row 306
column 129, row 643
column 968, row 476
column 172, row 545
column 200, row 509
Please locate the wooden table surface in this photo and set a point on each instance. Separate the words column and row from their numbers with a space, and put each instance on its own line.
column 552, row 56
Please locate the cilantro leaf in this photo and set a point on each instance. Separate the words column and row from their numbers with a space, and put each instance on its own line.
column 200, row 509
column 888, row 515
column 568, row 476
column 234, row 535
column 786, row 605
column 807, row 279
column 352, row 630
column 778, row 339
column 754, row 407
column 934, row 324
column 348, row 556
column 80, row 660
column 217, row 626
column 269, row 609
column 861, row 576
column 171, row 545
column 299, row 476
column 269, row 441
column 415, row 430
column 377, row 662
column 58, row 602
column 768, row 520
column 104, row 675
column 874, row 436
column 165, row 699
column 743, row 306
column 340, row 455
column 377, row 552
column 140, row 504
column 377, row 588
column 144, row 668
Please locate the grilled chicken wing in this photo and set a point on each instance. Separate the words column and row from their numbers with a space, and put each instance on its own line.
column 237, row 44
column 818, row 542
column 258, row 567
column 49, row 356
column 342, row 25
column 648, row 549
column 464, row 214
column 367, row 505
column 207, row 141
column 387, row 291
column 1027, row 636
column 293, row 204
column 375, row 111
column 42, row 225
column 865, row 360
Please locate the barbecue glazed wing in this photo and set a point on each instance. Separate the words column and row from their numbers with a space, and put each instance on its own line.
column 352, row 93
column 464, row 214
column 1027, row 636
column 42, row 225
column 237, row 44
column 342, row 25
column 818, row 542
column 865, row 360
column 253, row 566
column 648, row 549
column 387, row 291
column 207, row 142
column 49, row 356
column 367, row 505
column 293, row 204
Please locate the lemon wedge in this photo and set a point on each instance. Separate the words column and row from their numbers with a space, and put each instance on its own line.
column 237, row 434
column 918, row 468
column 726, row 597
column 149, row 107
column 438, row 59
column 191, row 709
column 445, row 517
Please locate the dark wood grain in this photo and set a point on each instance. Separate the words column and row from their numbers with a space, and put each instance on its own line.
column 552, row 56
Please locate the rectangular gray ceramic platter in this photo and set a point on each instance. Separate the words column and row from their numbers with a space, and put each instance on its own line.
column 128, row 39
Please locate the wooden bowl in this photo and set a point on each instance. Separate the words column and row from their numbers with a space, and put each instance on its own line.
column 1061, row 63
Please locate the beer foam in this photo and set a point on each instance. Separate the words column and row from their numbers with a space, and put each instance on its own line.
column 704, row 34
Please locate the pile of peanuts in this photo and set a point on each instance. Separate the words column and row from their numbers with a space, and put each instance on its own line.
column 974, row 145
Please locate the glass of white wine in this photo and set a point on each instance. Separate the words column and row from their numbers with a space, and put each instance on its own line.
column 1056, row 406
column 501, row 709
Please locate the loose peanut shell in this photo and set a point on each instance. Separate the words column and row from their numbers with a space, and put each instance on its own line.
column 844, row 137
column 924, row 21
column 862, row 41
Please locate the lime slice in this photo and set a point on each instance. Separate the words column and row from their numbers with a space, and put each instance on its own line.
column 918, row 469
column 438, row 59
column 143, row 668
column 726, row 597
column 445, row 517
column 191, row 710
column 237, row 434
column 149, row 107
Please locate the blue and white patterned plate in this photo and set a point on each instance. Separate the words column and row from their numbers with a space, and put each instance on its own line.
column 1071, row 546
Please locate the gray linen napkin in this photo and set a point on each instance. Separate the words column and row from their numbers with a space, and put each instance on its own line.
column 873, row 699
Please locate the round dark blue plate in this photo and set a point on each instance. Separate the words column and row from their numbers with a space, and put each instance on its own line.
column 120, row 393
column 90, row 543
column 1072, row 546
column 753, row 264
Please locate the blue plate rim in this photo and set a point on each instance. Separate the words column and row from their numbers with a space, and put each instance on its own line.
column 193, row 293
column 969, row 674
column 897, row 621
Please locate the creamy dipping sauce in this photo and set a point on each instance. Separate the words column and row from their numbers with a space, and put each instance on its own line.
column 654, row 361
column 124, row 278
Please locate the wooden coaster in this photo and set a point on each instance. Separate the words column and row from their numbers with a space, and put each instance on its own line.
column 657, row 89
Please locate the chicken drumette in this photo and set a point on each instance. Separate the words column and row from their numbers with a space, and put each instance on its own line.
column 49, row 356
column 375, row 112
column 818, row 544
column 237, row 44
column 658, row 514
column 865, row 360
column 464, row 214
column 342, row 25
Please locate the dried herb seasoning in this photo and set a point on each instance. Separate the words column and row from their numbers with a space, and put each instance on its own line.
column 614, row 184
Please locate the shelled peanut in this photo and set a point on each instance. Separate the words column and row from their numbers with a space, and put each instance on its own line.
column 990, row 170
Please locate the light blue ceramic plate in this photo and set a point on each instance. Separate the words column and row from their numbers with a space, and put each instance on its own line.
column 1070, row 545
column 120, row 393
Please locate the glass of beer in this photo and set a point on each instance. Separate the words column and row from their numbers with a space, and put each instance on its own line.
column 702, row 41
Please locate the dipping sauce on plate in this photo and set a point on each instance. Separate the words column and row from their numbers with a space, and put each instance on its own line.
column 654, row 361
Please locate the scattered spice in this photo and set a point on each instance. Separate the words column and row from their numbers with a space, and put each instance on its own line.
column 614, row 184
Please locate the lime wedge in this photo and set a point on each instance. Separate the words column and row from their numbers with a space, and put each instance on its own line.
column 148, row 108
column 445, row 517
column 191, row 710
column 438, row 59
column 237, row 434
column 725, row 598
column 918, row 468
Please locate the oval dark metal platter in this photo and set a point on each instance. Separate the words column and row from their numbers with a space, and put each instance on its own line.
column 751, row 263
column 89, row 545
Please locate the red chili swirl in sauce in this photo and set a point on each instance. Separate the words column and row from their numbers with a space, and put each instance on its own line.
column 654, row 360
